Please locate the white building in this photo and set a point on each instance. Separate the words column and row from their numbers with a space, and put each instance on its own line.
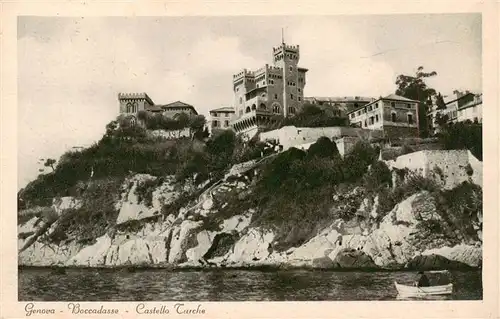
column 220, row 119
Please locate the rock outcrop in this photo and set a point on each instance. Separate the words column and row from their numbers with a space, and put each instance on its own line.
column 199, row 234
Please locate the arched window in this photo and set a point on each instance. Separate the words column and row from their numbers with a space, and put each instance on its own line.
column 136, row 107
column 276, row 108
column 133, row 121
column 254, row 107
column 247, row 109
column 393, row 117
column 291, row 110
column 262, row 106
column 129, row 107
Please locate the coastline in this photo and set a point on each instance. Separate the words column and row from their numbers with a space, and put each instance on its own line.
column 246, row 268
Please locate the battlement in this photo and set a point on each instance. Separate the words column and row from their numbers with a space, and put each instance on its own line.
column 261, row 71
column 135, row 96
column 275, row 69
column 293, row 48
column 242, row 74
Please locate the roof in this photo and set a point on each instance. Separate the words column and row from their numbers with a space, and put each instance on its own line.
column 154, row 108
column 392, row 97
column 302, row 69
column 340, row 98
column 177, row 105
column 478, row 99
column 399, row 98
column 223, row 109
column 452, row 98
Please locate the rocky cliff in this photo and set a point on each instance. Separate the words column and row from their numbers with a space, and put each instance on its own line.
column 158, row 222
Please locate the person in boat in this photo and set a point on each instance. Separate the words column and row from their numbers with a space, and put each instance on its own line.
column 422, row 281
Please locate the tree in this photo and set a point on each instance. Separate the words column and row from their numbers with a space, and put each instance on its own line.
column 324, row 147
column 415, row 88
column 197, row 122
column 440, row 102
column 441, row 119
column 50, row 163
column 463, row 135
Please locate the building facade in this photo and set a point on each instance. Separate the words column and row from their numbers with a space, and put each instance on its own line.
column 273, row 90
column 395, row 115
column 472, row 110
column 220, row 119
column 132, row 103
column 459, row 107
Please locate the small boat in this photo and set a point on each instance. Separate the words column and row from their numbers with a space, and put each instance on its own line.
column 414, row 291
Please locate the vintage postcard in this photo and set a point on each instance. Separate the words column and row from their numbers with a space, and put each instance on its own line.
column 212, row 159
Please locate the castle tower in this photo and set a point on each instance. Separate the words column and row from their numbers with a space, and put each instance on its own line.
column 286, row 57
column 131, row 103
column 276, row 89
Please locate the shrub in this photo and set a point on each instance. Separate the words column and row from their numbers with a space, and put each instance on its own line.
column 145, row 189
column 378, row 176
column 96, row 215
column 463, row 136
column 323, row 147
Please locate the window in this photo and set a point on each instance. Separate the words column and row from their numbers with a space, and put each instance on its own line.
column 408, row 105
column 226, row 123
column 237, row 89
column 372, row 120
column 291, row 110
column 215, row 114
column 276, row 109
column 291, row 68
column 215, row 123
column 393, row 117
column 247, row 109
column 226, row 114
column 263, row 82
column 393, row 104
column 365, row 124
column 299, row 98
column 275, row 96
column 254, row 107
column 291, row 96
column 410, row 119
column 370, row 108
column 299, row 90
column 376, row 117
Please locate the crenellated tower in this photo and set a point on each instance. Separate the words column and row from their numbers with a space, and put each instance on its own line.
column 275, row 89
column 131, row 103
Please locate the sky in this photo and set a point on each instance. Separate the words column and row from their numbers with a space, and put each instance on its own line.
column 70, row 69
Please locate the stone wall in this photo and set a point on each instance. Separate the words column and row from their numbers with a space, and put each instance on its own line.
column 291, row 136
column 400, row 131
column 172, row 134
column 449, row 167
column 345, row 144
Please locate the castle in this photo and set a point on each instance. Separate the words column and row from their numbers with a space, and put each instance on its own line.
column 132, row 103
column 273, row 90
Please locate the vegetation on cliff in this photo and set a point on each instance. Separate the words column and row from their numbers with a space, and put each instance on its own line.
column 296, row 193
